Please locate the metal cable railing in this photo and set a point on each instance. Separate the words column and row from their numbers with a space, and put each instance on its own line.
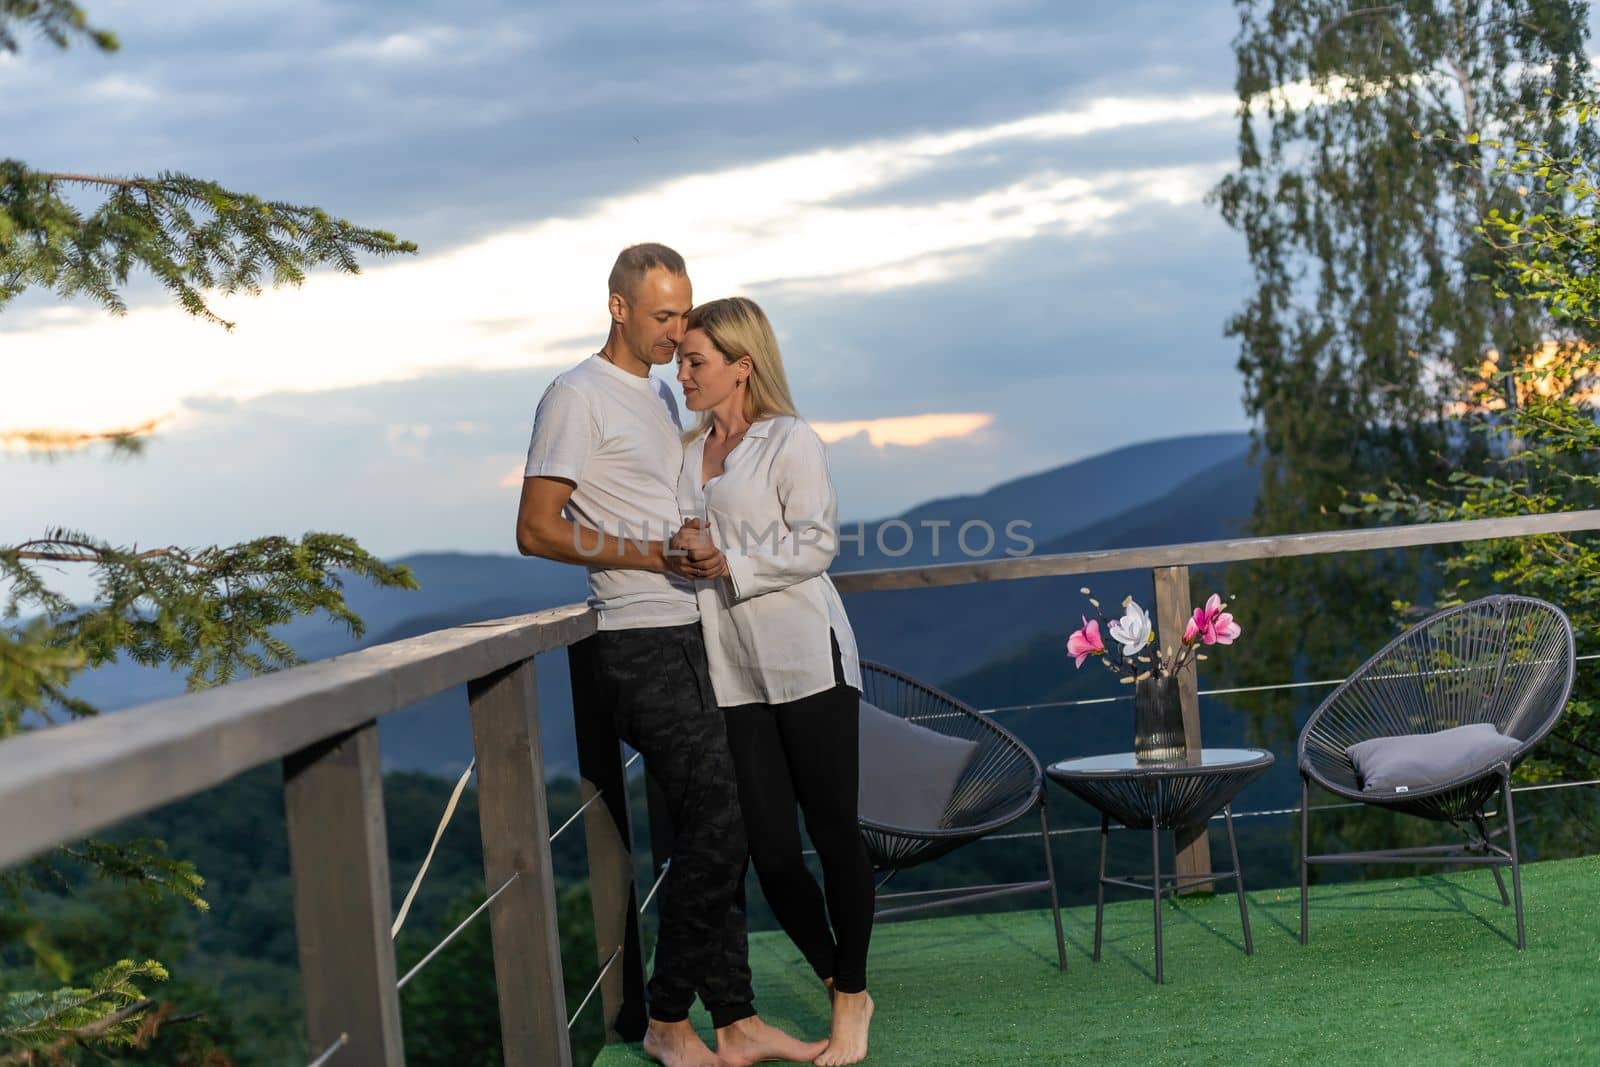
column 1070, row 830
column 617, row 952
column 327, row 1053
column 416, row 884
column 574, row 816
column 451, row 936
column 647, row 899
column 662, row 877
column 1275, row 811
column 449, row 813
column 615, row 955
column 1320, row 683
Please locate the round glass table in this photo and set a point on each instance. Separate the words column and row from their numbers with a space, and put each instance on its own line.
column 1157, row 797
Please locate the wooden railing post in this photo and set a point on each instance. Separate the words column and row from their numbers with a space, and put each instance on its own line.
column 514, row 819
column 1173, row 608
column 339, row 859
column 612, row 890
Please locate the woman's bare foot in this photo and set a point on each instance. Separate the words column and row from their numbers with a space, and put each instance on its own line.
column 751, row 1041
column 852, row 1015
column 677, row 1045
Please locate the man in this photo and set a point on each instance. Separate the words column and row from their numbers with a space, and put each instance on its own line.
column 600, row 490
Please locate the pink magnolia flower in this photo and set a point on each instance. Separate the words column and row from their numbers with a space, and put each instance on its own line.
column 1086, row 642
column 1211, row 624
column 1199, row 626
column 1191, row 630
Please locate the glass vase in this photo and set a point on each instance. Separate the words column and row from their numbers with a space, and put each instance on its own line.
column 1158, row 721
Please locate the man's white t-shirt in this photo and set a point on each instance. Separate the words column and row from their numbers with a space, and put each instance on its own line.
column 616, row 436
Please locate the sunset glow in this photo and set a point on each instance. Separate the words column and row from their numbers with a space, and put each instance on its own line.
column 907, row 430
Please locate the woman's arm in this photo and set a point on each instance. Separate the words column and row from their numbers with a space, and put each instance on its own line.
column 761, row 560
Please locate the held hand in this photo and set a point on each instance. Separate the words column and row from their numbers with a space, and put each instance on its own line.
column 696, row 541
column 712, row 566
column 690, row 535
column 692, row 554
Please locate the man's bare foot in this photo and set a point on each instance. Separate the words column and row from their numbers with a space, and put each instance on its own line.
column 751, row 1041
column 677, row 1045
column 852, row 1015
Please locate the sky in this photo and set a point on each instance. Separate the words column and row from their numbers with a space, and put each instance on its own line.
column 981, row 233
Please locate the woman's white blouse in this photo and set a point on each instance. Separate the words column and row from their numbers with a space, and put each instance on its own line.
column 773, row 513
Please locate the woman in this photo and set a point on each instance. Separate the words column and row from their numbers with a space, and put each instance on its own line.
column 782, row 655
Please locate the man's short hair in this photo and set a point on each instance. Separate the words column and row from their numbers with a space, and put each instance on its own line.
column 635, row 261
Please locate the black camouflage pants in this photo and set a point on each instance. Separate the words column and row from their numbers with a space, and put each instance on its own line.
column 659, row 689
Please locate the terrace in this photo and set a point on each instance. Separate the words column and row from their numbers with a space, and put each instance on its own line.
column 1417, row 971
column 1424, row 969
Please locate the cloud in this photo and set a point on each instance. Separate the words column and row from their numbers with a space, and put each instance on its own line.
column 906, row 430
column 409, row 440
column 793, row 219
column 121, row 90
column 397, row 47
column 432, row 44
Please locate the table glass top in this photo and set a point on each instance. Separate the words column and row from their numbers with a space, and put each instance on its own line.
column 1208, row 758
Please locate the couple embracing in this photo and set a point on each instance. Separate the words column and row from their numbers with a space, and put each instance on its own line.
column 723, row 651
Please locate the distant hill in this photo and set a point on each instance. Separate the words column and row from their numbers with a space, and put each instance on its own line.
column 1187, row 488
column 946, row 633
column 1052, row 503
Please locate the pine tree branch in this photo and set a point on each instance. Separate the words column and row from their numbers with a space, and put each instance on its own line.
column 210, row 612
column 88, row 553
column 100, row 1027
column 95, row 557
column 100, row 179
column 57, row 21
column 44, row 1020
column 196, row 237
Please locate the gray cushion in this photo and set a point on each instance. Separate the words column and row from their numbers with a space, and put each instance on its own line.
column 908, row 772
column 1415, row 761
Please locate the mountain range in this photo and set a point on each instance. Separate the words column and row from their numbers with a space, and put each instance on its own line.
column 992, row 643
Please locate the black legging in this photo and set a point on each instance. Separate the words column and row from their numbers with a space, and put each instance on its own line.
column 805, row 751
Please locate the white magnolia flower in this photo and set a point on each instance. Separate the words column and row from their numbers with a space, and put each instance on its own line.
column 1133, row 629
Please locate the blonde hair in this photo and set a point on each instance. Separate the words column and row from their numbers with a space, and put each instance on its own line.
column 739, row 328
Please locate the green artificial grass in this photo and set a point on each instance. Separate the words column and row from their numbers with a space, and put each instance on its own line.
column 1415, row 971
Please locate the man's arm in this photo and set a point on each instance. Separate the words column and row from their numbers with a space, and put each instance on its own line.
column 543, row 531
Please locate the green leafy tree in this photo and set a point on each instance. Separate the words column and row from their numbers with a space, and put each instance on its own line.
column 1372, row 300
column 209, row 612
column 1541, row 432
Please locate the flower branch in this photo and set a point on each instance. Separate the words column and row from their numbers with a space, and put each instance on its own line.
column 1137, row 655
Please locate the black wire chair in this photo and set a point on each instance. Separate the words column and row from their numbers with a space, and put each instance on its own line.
column 1503, row 660
column 1002, row 783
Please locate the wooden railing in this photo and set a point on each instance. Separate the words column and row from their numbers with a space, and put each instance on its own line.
column 320, row 721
